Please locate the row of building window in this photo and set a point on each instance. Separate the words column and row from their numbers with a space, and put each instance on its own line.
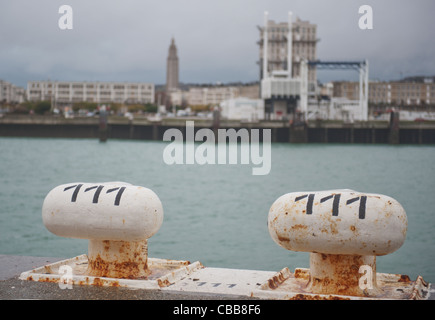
column 297, row 29
column 393, row 87
column 92, row 93
column 90, row 86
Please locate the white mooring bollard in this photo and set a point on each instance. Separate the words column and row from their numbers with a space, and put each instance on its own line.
column 344, row 231
column 117, row 218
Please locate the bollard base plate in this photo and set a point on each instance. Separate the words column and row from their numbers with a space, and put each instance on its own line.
column 286, row 285
column 163, row 272
column 183, row 276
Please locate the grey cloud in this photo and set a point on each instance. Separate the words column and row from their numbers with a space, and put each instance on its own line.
column 216, row 40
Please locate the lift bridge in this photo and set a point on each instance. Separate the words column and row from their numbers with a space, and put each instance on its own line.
column 284, row 94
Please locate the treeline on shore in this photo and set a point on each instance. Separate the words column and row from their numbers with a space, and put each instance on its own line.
column 45, row 107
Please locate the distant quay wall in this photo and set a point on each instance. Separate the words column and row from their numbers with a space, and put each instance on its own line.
column 371, row 132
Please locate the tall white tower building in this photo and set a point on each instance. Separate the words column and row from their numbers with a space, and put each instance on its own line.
column 172, row 68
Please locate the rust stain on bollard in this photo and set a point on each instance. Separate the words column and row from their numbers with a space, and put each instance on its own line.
column 118, row 259
column 340, row 274
column 277, row 279
column 300, row 296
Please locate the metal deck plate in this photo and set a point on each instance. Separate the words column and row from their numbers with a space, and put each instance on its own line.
column 183, row 276
column 222, row 281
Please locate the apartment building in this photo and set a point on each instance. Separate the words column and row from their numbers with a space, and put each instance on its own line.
column 66, row 93
column 304, row 46
column 404, row 92
column 11, row 94
column 213, row 95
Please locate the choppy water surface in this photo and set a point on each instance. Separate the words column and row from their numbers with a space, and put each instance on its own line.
column 216, row 214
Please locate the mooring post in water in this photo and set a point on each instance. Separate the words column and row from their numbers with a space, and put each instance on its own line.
column 117, row 218
column 298, row 129
column 155, row 131
column 102, row 129
column 394, row 137
column 216, row 120
column 344, row 231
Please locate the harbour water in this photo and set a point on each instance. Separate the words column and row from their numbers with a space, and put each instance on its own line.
column 216, row 214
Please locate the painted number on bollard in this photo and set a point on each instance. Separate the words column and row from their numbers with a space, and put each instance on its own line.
column 98, row 189
column 335, row 203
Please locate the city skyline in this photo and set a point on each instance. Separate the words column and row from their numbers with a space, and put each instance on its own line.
column 217, row 42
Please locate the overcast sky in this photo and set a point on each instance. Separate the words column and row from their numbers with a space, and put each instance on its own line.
column 128, row 40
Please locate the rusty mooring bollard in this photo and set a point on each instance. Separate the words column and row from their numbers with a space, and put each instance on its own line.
column 344, row 231
column 117, row 218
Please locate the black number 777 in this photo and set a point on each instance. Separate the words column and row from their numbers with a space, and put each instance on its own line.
column 335, row 203
column 98, row 190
